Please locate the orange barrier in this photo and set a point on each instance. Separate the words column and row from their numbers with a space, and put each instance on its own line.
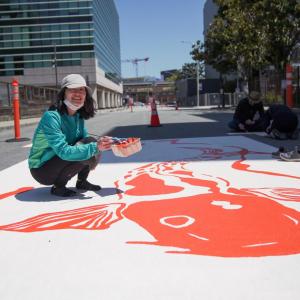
column 289, row 86
column 16, row 106
column 16, row 109
column 154, row 116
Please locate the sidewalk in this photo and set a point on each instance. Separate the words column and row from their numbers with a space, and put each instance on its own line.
column 31, row 121
column 23, row 122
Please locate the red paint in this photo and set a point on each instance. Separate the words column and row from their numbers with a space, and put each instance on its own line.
column 283, row 194
column 95, row 217
column 239, row 165
column 146, row 185
column 230, row 222
column 257, row 227
column 200, row 182
column 18, row 191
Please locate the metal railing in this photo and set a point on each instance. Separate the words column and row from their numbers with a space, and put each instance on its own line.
column 33, row 100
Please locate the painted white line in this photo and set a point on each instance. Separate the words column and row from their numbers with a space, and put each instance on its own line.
column 248, row 133
column 291, row 218
column 198, row 237
column 27, row 146
column 261, row 244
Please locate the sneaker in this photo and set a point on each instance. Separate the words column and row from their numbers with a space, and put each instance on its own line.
column 85, row 185
column 291, row 156
column 277, row 153
column 62, row 191
column 276, row 134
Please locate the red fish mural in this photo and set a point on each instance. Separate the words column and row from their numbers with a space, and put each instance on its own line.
column 198, row 214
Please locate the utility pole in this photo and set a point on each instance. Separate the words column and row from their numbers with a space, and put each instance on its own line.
column 55, row 66
column 197, row 70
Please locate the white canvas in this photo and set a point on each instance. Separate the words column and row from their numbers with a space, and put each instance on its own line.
column 198, row 218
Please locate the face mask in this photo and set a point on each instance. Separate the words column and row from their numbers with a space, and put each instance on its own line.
column 72, row 106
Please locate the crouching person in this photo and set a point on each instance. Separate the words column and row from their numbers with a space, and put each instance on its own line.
column 249, row 114
column 281, row 122
column 61, row 147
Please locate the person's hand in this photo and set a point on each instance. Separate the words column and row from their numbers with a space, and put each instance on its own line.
column 104, row 143
column 242, row 126
column 256, row 116
column 269, row 128
column 249, row 122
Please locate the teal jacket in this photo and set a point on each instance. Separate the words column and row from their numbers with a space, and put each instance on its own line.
column 57, row 134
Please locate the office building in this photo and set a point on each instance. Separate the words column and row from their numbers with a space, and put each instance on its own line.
column 209, row 11
column 43, row 41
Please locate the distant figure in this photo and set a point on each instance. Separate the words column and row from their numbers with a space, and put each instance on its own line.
column 281, row 122
column 150, row 98
column 61, row 147
column 249, row 114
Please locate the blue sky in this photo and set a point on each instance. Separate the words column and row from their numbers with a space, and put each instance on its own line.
column 155, row 29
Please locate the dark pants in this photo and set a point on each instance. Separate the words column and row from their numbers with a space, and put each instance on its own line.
column 58, row 172
column 259, row 125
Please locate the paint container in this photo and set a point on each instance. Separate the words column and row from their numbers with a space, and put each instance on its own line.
column 126, row 147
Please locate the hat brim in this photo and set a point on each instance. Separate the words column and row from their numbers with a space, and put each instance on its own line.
column 76, row 85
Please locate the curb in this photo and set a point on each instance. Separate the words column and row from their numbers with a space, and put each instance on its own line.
column 23, row 122
column 31, row 121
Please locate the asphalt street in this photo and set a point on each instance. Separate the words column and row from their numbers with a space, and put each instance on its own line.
column 182, row 123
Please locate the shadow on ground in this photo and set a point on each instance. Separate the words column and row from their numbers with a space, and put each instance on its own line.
column 42, row 194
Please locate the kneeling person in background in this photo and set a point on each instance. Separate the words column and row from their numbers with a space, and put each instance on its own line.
column 249, row 114
column 281, row 122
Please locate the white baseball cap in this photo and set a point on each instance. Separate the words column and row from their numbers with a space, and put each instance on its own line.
column 73, row 81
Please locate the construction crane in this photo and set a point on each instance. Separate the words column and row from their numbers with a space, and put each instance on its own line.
column 135, row 62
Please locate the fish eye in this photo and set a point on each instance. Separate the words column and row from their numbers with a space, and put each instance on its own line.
column 179, row 221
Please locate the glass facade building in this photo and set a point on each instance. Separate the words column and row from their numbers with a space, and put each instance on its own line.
column 38, row 34
column 107, row 38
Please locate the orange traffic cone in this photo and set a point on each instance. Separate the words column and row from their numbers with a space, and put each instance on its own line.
column 154, row 116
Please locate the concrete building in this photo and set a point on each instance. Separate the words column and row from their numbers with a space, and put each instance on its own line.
column 209, row 11
column 137, row 88
column 141, row 87
column 43, row 41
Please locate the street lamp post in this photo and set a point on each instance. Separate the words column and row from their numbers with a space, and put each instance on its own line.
column 198, row 96
column 197, row 73
column 55, row 66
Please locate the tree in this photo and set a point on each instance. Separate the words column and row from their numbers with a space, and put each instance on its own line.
column 252, row 35
column 175, row 76
column 188, row 70
column 198, row 55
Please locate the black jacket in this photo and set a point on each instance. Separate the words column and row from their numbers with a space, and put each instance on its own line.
column 245, row 111
column 284, row 119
